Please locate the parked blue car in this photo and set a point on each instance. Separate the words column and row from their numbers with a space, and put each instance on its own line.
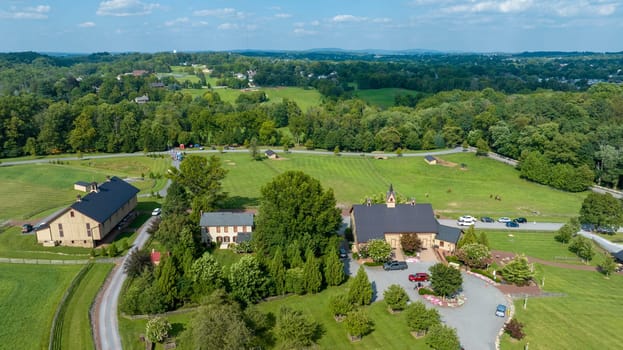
column 500, row 311
column 512, row 224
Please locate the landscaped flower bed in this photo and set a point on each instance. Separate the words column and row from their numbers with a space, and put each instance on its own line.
column 454, row 302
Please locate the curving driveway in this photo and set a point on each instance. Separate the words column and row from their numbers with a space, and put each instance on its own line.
column 475, row 321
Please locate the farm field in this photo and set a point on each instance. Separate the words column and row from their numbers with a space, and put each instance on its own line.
column 451, row 190
column 76, row 330
column 14, row 244
column 587, row 316
column 131, row 330
column 30, row 295
column 36, row 190
column 383, row 98
column 304, row 98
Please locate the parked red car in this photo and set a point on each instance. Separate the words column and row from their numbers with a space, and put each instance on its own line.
column 419, row 277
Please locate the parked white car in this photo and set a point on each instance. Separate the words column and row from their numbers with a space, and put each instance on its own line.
column 466, row 220
column 156, row 212
column 504, row 219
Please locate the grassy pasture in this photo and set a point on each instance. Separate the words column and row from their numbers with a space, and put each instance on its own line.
column 76, row 330
column 383, row 98
column 588, row 316
column 36, row 190
column 451, row 190
column 14, row 244
column 304, row 98
column 131, row 330
column 178, row 72
column 30, row 294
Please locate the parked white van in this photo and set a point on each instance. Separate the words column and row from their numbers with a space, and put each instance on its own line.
column 466, row 220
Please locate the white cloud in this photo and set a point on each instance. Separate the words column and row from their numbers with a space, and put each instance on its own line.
column 382, row 20
column 283, row 15
column 176, row 21
column 506, row 6
column 227, row 26
column 36, row 12
column 315, row 23
column 224, row 12
column 304, row 32
column 574, row 8
column 347, row 18
column 86, row 24
column 123, row 8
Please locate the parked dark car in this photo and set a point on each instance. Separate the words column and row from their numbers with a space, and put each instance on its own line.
column 343, row 253
column 419, row 277
column 395, row 265
column 487, row 219
column 26, row 228
column 512, row 224
column 588, row 227
column 606, row 230
column 521, row 220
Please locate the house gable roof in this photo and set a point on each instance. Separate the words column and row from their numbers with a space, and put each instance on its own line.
column 109, row 198
column 226, row 219
column 429, row 158
column 373, row 221
column 269, row 152
column 448, row 234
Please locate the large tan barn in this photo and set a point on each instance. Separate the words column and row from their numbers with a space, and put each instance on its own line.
column 88, row 220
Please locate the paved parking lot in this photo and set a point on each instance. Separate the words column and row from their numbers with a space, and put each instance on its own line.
column 475, row 321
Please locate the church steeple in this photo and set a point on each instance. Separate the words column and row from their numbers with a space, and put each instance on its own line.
column 390, row 199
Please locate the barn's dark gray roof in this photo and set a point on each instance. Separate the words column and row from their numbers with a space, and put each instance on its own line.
column 109, row 198
column 373, row 221
column 448, row 234
column 226, row 219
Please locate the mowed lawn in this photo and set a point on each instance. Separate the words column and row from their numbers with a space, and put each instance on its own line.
column 30, row 295
column 14, row 244
column 390, row 331
column 76, row 330
column 453, row 191
column 541, row 245
column 588, row 316
column 131, row 330
column 384, row 98
column 36, row 190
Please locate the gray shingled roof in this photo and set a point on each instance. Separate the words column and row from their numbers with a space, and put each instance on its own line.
column 111, row 196
column 373, row 221
column 448, row 234
column 226, row 219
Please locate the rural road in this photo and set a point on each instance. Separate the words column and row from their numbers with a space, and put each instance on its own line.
column 108, row 323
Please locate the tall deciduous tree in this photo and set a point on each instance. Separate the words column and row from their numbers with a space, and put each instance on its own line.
column 176, row 201
column 294, row 206
column 607, row 265
column 138, row 261
column 410, row 243
column 157, row 329
column 445, row 280
column 379, row 250
column 421, row 319
column 206, row 274
column 247, row 280
column 202, row 179
column 360, row 292
column 582, row 247
column 602, row 210
column 474, row 255
column 82, row 136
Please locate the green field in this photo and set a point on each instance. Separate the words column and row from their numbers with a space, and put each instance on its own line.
column 451, row 190
column 30, row 295
column 382, row 97
column 178, row 72
column 76, row 330
column 14, row 244
column 541, row 245
column 588, row 316
column 35, row 190
column 131, row 330
column 304, row 98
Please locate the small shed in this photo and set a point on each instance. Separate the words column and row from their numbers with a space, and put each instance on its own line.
column 271, row 154
column 82, row 186
column 430, row 159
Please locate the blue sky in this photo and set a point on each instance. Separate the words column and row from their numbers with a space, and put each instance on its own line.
column 193, row 25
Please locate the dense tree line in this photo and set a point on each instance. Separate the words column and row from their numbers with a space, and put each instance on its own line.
column 82, row 104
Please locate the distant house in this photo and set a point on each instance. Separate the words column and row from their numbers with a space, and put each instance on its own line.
column 141, row 99
column 390, row 220
column 139, row 72
column 82, row 186
column 90, row 218
column 225, row 227
column 430, row 159
column 271, row 154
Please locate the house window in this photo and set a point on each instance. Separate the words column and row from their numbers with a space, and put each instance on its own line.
column 219, row 239
column 226, row 239
column 233, row 239
column 441, row 243
column 88, row 229
column 235, row 229
column 218, row 229
column 71, row 213
column 60, row 230
column 244, row 229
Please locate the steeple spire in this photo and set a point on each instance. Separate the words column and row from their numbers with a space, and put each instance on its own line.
column 390, row 199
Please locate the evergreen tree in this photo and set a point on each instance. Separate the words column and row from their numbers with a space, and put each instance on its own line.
column 484, row 240
column 442, row 337
column 277, row 271
column 340, row 305
column 358, row 324
column 167, row 282
column 607, row 265
column 293, row 253
column 312, row 273
column 468, row 238
column 419, row 318
column 395, row 297
column 360, row 292
column 294, row 329
column 333, row 269
column 518, row 271
column 176, row 201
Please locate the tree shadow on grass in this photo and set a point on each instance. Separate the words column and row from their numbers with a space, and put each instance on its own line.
column 238, row 202
column 177, row 329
